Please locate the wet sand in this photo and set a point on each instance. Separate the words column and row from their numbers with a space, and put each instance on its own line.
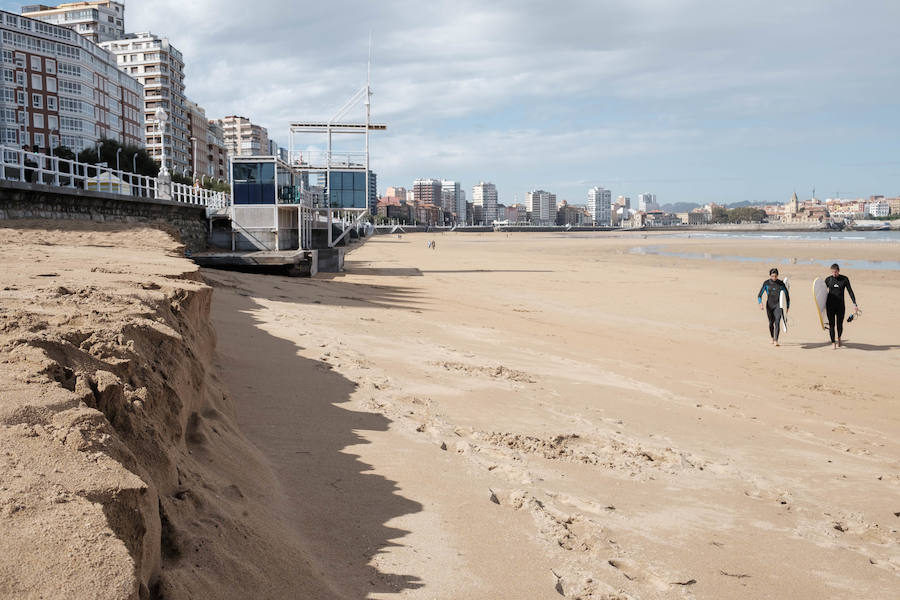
column 530, row 416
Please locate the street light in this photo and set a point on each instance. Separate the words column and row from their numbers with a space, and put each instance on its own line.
column 161, row 118
column 118, row 151
column 194, row 155
column 134, row 163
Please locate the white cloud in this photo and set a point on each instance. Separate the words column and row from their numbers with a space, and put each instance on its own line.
column 518, row 90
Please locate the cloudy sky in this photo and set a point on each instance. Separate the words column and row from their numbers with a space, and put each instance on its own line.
column 716, row 100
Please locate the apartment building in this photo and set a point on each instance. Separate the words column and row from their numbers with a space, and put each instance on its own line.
column 216, row 155
column 600, row 206
column 98, row 20
column 243, row 138
column 541, row 207
column 427, row 191
column 484, row 199
column 60, row 89
column 159, row 67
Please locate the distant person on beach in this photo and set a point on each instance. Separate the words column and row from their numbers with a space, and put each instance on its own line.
column 433, row 245
column 834, row 304
column 772, row 288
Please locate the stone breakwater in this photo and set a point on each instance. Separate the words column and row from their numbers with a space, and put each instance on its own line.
column 122, row 472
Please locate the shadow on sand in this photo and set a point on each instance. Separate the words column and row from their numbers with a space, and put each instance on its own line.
column 416, row 272
column 853, row 346
column 289, row 407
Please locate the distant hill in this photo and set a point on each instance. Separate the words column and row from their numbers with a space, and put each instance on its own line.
column 679, row 207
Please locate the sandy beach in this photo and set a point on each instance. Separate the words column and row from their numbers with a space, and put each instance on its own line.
column 529, row 416
column 522, row 416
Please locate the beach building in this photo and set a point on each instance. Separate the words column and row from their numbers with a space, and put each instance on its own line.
column 244, row 138
column 97, row 20
column 159, row 66
column 541, row 206
column 878, row 209
column 484, row 198
column 599, row 206
column 59, row 88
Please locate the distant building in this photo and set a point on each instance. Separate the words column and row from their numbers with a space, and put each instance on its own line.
column 484, row 197
column 462, row 214
column 396, row 192
column 878, row 209
column 570, row 214
column 600, row 206
column 516, row 214
column 894, row 204
column 198, row 129
column 159, row 66
column 623, row 201
column 427, row 191
column 244, row 138
column 647, row 202
column 59, row 88
column 216, row 155
column 450, row 191
column 541, row 207
column 98, row 20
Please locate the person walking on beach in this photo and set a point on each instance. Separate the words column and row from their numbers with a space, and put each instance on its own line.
column 773, row 288
column 834, row 304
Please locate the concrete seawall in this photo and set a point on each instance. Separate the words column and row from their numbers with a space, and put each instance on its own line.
column 33, row 201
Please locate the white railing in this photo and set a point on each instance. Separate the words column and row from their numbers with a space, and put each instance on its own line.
column 321, row 159
column 32, row 167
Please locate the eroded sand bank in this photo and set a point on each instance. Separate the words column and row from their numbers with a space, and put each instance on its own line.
column 537, row 415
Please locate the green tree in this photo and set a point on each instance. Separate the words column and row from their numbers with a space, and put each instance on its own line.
column 128, row 158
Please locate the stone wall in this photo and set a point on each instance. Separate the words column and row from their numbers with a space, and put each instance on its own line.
column 32, row 201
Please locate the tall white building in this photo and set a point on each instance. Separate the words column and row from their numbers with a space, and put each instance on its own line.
column 97, row 20
column 599, row 206
column 541, row 206
column 485, row 195
column 461, row 212
column 244, row 138
column 449, row 195
column 647, row 202
column 159, row 66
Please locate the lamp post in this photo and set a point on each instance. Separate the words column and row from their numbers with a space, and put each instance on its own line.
column 194, row 156
column 118, row 151
column 134, row 163
column 163, row 179
column 161, row 118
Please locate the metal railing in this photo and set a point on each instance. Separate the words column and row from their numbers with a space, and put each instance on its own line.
column 33, row 167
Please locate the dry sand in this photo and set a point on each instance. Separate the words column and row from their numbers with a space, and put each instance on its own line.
column 536, row 416
column 524, row 416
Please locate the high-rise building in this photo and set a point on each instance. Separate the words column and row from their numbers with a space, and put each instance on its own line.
column 198, row 131
column 396, row 192
column 484, row 196
column 97, row 20
column 427, row 191
column 623, row 201
column 243, row 138
column 450, row 196
column 541, row 206
column 647, row 202
column 599, row 206
column 461, row 205
column 59, row 88
column 159, row 66
column 216, row 155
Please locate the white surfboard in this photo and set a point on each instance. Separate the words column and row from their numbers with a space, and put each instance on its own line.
column 820, row 295
column 783, row 305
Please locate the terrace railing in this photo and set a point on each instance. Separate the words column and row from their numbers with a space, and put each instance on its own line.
column 33, row 167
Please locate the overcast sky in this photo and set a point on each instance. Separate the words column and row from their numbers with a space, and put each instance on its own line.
column 694, row 101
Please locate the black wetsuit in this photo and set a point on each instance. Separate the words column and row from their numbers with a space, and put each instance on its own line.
column 772, row 290
column 834, row 304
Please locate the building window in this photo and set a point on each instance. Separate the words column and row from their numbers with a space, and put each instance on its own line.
column 51, row 103
column 35, row 63
column 37, row 82
column 51, row 84
column 52, row 122
column 9, row 76
column 20, row 98
column 37, row 101
column 20, row 78
column 38, row 120
column 39, row 139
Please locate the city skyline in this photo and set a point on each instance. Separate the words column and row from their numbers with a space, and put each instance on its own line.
column 697, row 103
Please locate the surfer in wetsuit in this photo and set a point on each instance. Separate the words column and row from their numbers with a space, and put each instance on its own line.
column 772, row 288
column 834, row 304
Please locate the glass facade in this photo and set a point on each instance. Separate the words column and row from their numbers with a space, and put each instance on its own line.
column 348, row 189
column 254, row 182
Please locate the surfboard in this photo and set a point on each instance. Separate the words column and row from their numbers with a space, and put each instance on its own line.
column 782, row 304
column 820, row 295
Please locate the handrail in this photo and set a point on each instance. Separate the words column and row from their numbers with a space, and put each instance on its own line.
column 34, row 167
